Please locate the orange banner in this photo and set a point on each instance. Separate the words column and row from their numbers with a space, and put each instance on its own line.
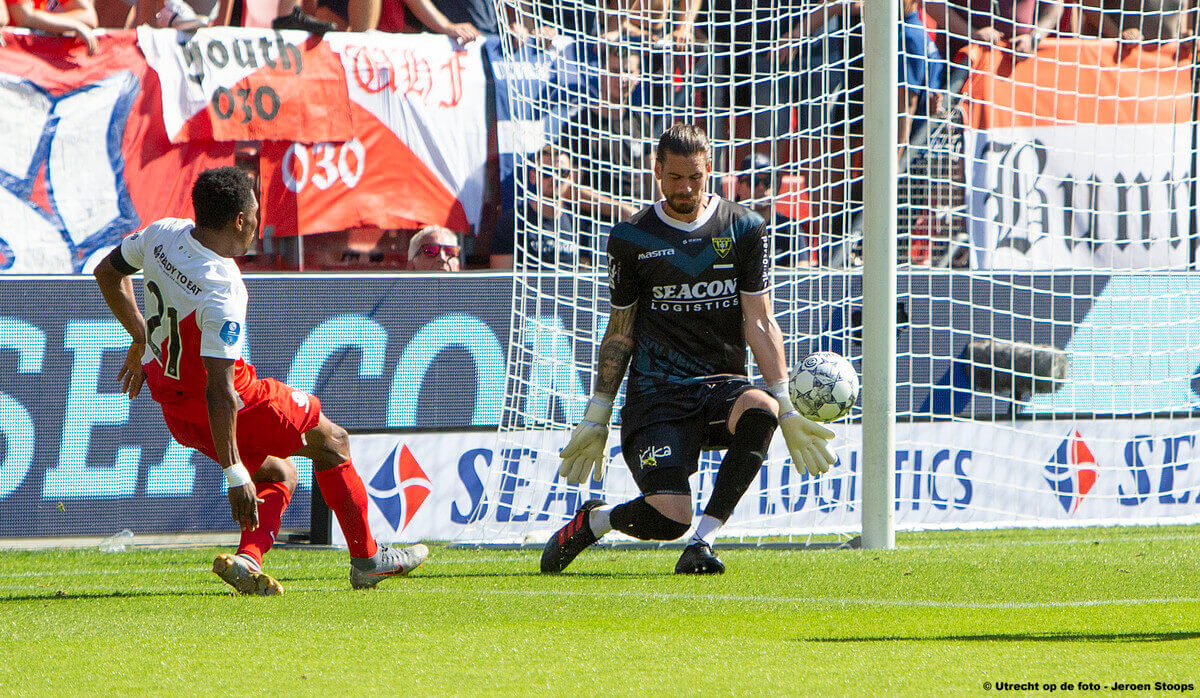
column 1073, row 81
column 418, row 152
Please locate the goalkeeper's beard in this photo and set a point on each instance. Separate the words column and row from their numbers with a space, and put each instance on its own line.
column 683, row 204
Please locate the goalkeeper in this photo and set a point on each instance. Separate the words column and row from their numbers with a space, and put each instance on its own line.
column 690, row 289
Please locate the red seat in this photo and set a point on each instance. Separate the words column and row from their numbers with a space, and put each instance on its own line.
column 792, row 198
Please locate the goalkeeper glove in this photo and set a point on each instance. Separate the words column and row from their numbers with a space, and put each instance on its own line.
column 807, row 441
column 585, row 451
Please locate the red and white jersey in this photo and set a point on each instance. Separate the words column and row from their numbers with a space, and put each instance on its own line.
column 195, row 306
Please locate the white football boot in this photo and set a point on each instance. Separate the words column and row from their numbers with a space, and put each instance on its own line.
column 366, row 572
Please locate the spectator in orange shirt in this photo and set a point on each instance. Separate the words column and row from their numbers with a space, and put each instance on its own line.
column 70, row 18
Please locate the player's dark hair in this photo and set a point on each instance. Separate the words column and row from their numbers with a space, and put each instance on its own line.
column 682, row 139
column 220, row 194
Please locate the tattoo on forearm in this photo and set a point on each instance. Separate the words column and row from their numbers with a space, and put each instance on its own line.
column 615, row 350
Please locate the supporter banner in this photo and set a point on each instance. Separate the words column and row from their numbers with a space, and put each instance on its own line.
column 419, row 151
column 431, row 486
column 84, row 159
column 239, row 84
column 1081, row 157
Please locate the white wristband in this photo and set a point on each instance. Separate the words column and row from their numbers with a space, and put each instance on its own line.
column 779, row 391
column 599, row 409
column 236, row 475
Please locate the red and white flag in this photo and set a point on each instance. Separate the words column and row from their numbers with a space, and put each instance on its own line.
column 419, row 154
column 239, row 84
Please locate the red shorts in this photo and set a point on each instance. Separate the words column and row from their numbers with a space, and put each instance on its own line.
column 274, row 426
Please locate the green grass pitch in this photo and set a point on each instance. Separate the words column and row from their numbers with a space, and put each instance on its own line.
column 943, row 614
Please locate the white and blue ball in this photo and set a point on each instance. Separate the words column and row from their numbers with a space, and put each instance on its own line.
column 824, row 386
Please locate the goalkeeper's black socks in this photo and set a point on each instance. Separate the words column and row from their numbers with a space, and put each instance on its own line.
column 751, row 438
column 639, row 519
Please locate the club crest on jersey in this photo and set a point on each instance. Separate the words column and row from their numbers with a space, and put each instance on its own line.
column 723, row 246
column 230, row 332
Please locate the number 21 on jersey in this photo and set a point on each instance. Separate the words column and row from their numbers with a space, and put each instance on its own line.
column 166, row 349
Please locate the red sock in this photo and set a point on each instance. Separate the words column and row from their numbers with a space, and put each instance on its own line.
column 346, row 496
column 256, row 543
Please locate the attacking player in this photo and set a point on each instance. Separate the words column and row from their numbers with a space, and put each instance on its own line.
column 189, row 351
column 690, row 289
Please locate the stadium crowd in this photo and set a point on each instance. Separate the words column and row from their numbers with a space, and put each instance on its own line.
column 583, row 184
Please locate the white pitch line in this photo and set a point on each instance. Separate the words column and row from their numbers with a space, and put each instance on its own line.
column 837, row 601
column 192, row 570
column 414, row 588
column 492, row 560
column 1088, row 540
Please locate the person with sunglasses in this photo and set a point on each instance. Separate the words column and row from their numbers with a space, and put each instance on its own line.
column 549, row 205
column 434, row 248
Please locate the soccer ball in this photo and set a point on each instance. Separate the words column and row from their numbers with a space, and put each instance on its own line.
column 823, row 386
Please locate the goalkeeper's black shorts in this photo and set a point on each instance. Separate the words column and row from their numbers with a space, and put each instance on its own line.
column 663, row 431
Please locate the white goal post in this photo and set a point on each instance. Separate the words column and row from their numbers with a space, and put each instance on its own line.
column 880, row 136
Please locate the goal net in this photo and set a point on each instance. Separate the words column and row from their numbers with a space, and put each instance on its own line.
column 1048, row 336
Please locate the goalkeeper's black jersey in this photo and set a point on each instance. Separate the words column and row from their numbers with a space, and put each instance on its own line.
column 685, row 279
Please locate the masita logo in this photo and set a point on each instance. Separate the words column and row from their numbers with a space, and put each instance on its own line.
column 399, row 487
column 1071, row 472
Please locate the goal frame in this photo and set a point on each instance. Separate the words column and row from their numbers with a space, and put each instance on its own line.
column 880, row 226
